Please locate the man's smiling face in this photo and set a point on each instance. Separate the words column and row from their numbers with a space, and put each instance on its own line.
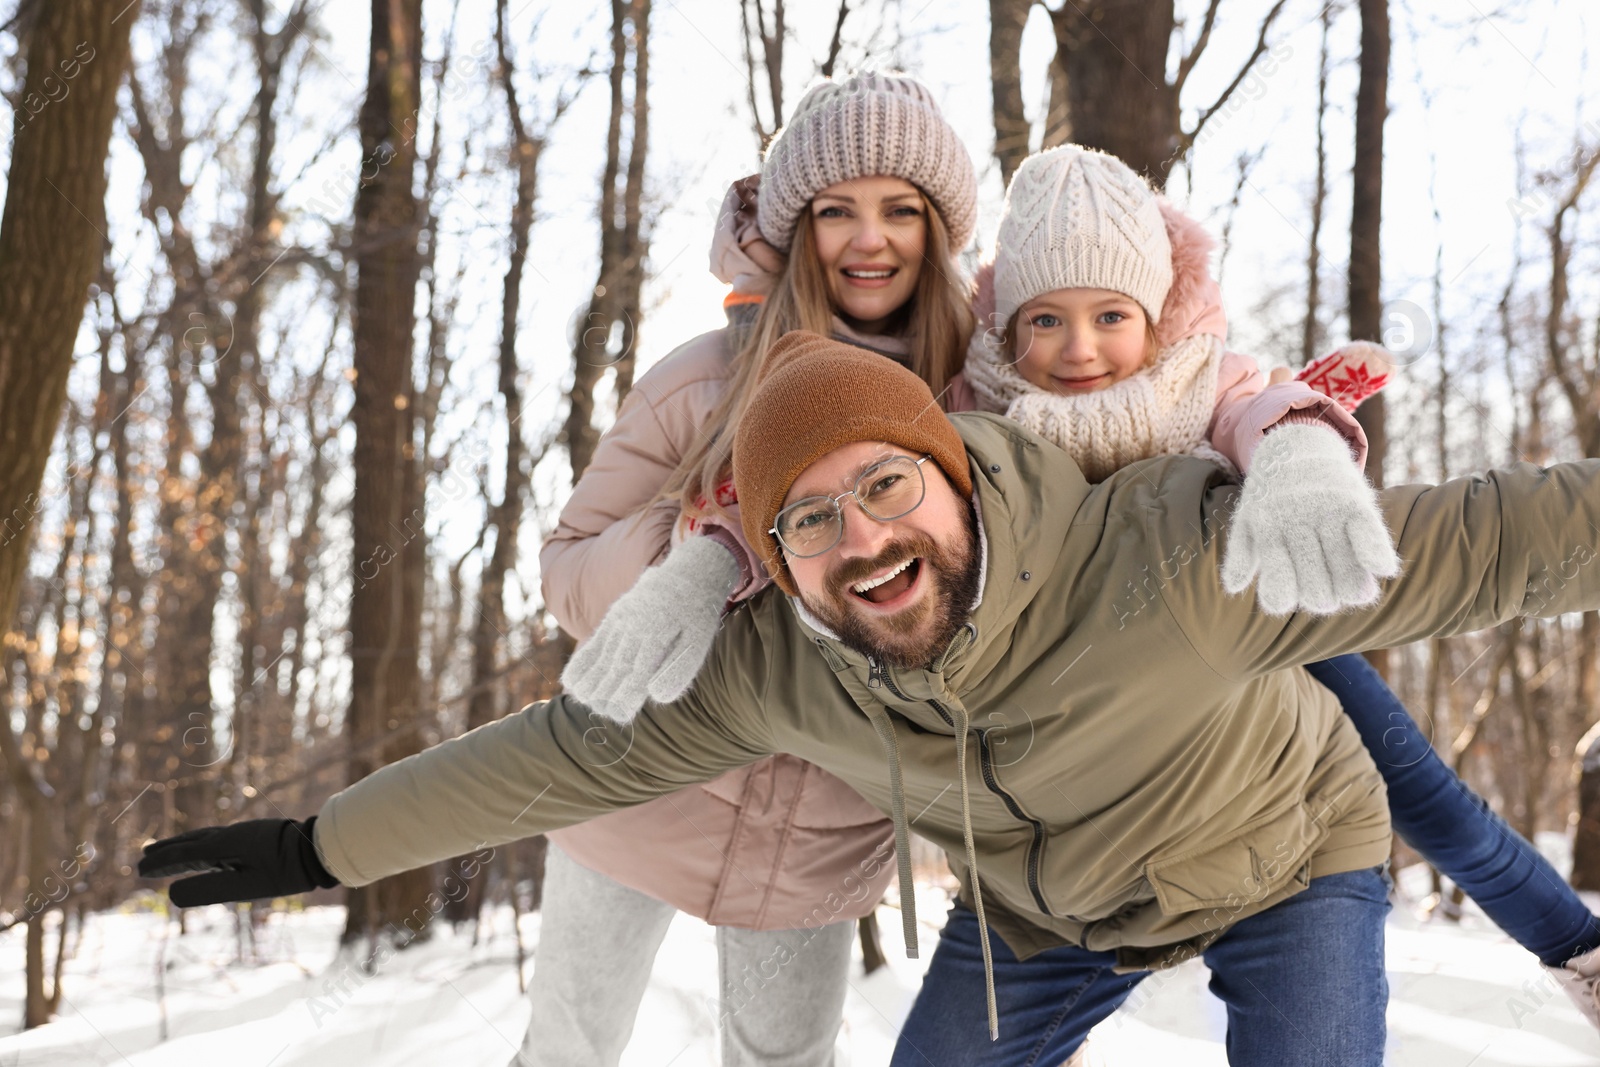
column 900, row 589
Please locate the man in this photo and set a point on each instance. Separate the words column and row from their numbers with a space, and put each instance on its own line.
column 1046, row 678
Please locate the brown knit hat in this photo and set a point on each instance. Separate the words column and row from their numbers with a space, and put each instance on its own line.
column 815, row 395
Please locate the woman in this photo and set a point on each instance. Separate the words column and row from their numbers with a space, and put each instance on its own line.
column 868, row 193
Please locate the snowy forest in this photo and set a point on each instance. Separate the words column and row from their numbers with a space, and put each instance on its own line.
column 311, row 316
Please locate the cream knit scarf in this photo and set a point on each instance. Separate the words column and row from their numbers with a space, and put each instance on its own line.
column 1163, row 409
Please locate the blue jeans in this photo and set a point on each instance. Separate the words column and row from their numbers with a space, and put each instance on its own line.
column 1303, row 983
column 1453, row 828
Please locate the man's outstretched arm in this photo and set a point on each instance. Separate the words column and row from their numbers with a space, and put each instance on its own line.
column 1475, row 552
column 550, row 765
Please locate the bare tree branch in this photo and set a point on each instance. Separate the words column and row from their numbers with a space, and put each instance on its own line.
column 1578, row 391
column 1186, row 64
column 837, row 42
column 1188, row 137
column 761, row 132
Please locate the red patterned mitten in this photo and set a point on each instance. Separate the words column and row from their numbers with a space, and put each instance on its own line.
column 1351, row 374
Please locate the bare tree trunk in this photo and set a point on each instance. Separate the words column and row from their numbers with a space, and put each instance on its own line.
column 1578, row 383
column 307, row 545
column 1579, row 379
column 1586, row 836
column 634, row 246
column 1109, row 86
column 836, row 41
column 41, row 772
column 1586, row 841
column 1243, row 165
column 1366, row 216
column 194, row 707
column 121, row 680
column 1114, row 56
column 484, row 705
column 387, row 517
column 763, row 50
column 50, row 247
column 1310, row 334
column 160, row 731
column 181, row 752
column 1058, row 113
column 1011, row 133
column 1366, row 210
column 1514, row 772
column 238, row 367
column 606, row 334
column 38, row 1005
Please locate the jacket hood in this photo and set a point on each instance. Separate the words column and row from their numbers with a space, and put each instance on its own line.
column 740, row 256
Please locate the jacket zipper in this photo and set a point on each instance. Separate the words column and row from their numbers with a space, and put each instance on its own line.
column 1036, row 846
column 880, row 676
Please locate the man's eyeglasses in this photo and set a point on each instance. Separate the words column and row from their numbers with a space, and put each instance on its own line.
column 886, row 490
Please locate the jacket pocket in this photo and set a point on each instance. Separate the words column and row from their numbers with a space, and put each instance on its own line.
column 1245, row 869
column 730, row 785
column 830, row 803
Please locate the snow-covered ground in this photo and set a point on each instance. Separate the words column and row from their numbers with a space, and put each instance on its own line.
column 1461, row 996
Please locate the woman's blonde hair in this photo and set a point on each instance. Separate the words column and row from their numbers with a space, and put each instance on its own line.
column 938, row 324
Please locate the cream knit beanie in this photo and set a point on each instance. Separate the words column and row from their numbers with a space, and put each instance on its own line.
column 1080, row 219
column 868, row 124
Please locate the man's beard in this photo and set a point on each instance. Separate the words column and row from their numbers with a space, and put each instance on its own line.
column 914, row 637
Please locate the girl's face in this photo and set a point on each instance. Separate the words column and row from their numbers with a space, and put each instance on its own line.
column 870, row 235
column 1080, row 340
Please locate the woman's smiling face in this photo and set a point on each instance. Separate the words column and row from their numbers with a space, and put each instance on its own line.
column 870, row 236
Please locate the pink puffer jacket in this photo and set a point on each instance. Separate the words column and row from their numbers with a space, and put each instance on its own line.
column 777, row 845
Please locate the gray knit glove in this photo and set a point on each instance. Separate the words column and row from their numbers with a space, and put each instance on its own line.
column 655, row 637
column 1307, row 529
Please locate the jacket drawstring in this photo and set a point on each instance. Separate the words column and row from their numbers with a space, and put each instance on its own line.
column 902, row 847
column 962, row 723
column 902, row 843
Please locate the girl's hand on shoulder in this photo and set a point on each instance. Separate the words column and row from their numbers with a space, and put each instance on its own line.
column 1307, row 529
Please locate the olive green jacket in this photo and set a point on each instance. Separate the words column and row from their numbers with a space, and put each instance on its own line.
column 1141, row 762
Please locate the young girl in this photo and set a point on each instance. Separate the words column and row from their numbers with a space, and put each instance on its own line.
column 1105, row 335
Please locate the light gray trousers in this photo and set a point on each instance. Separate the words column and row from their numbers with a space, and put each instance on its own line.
column 782, row 990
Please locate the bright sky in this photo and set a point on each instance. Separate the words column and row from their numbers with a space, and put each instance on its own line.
column 1468, row 84
column 1492, row 80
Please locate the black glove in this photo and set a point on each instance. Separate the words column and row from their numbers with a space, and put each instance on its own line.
column 253, row 860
